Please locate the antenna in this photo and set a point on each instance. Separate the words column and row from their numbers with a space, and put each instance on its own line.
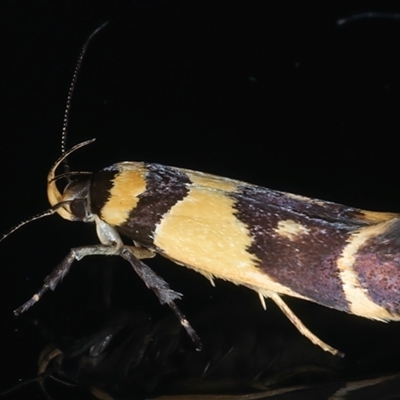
column 71, row 89
column 43, row 214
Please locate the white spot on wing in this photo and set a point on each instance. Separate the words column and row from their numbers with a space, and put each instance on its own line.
column 291, row 229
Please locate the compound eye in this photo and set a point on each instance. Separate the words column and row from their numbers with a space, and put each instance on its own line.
column 78, row 208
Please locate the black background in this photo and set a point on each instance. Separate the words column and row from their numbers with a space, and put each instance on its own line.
column 280, row 94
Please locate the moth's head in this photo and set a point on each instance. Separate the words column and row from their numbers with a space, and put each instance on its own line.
column 72, row 202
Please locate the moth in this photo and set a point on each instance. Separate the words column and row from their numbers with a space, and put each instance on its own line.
column 276, row 244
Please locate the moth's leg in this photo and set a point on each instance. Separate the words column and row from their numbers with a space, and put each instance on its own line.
column 109, row 236
column 141, row 253
column 301, row 327
column 162, row 291
column 58, row 273
column 129, row 253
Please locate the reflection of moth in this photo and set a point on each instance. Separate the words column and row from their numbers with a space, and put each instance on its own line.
column 137, row 356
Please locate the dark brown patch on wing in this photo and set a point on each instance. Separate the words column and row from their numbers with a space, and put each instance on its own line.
column 100, row 187
column 307, row 262
column 378, row 267
column 314, row 208
column 165, row 186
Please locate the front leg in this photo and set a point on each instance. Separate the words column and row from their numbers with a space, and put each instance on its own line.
column 58, row 273
column 131, row 254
